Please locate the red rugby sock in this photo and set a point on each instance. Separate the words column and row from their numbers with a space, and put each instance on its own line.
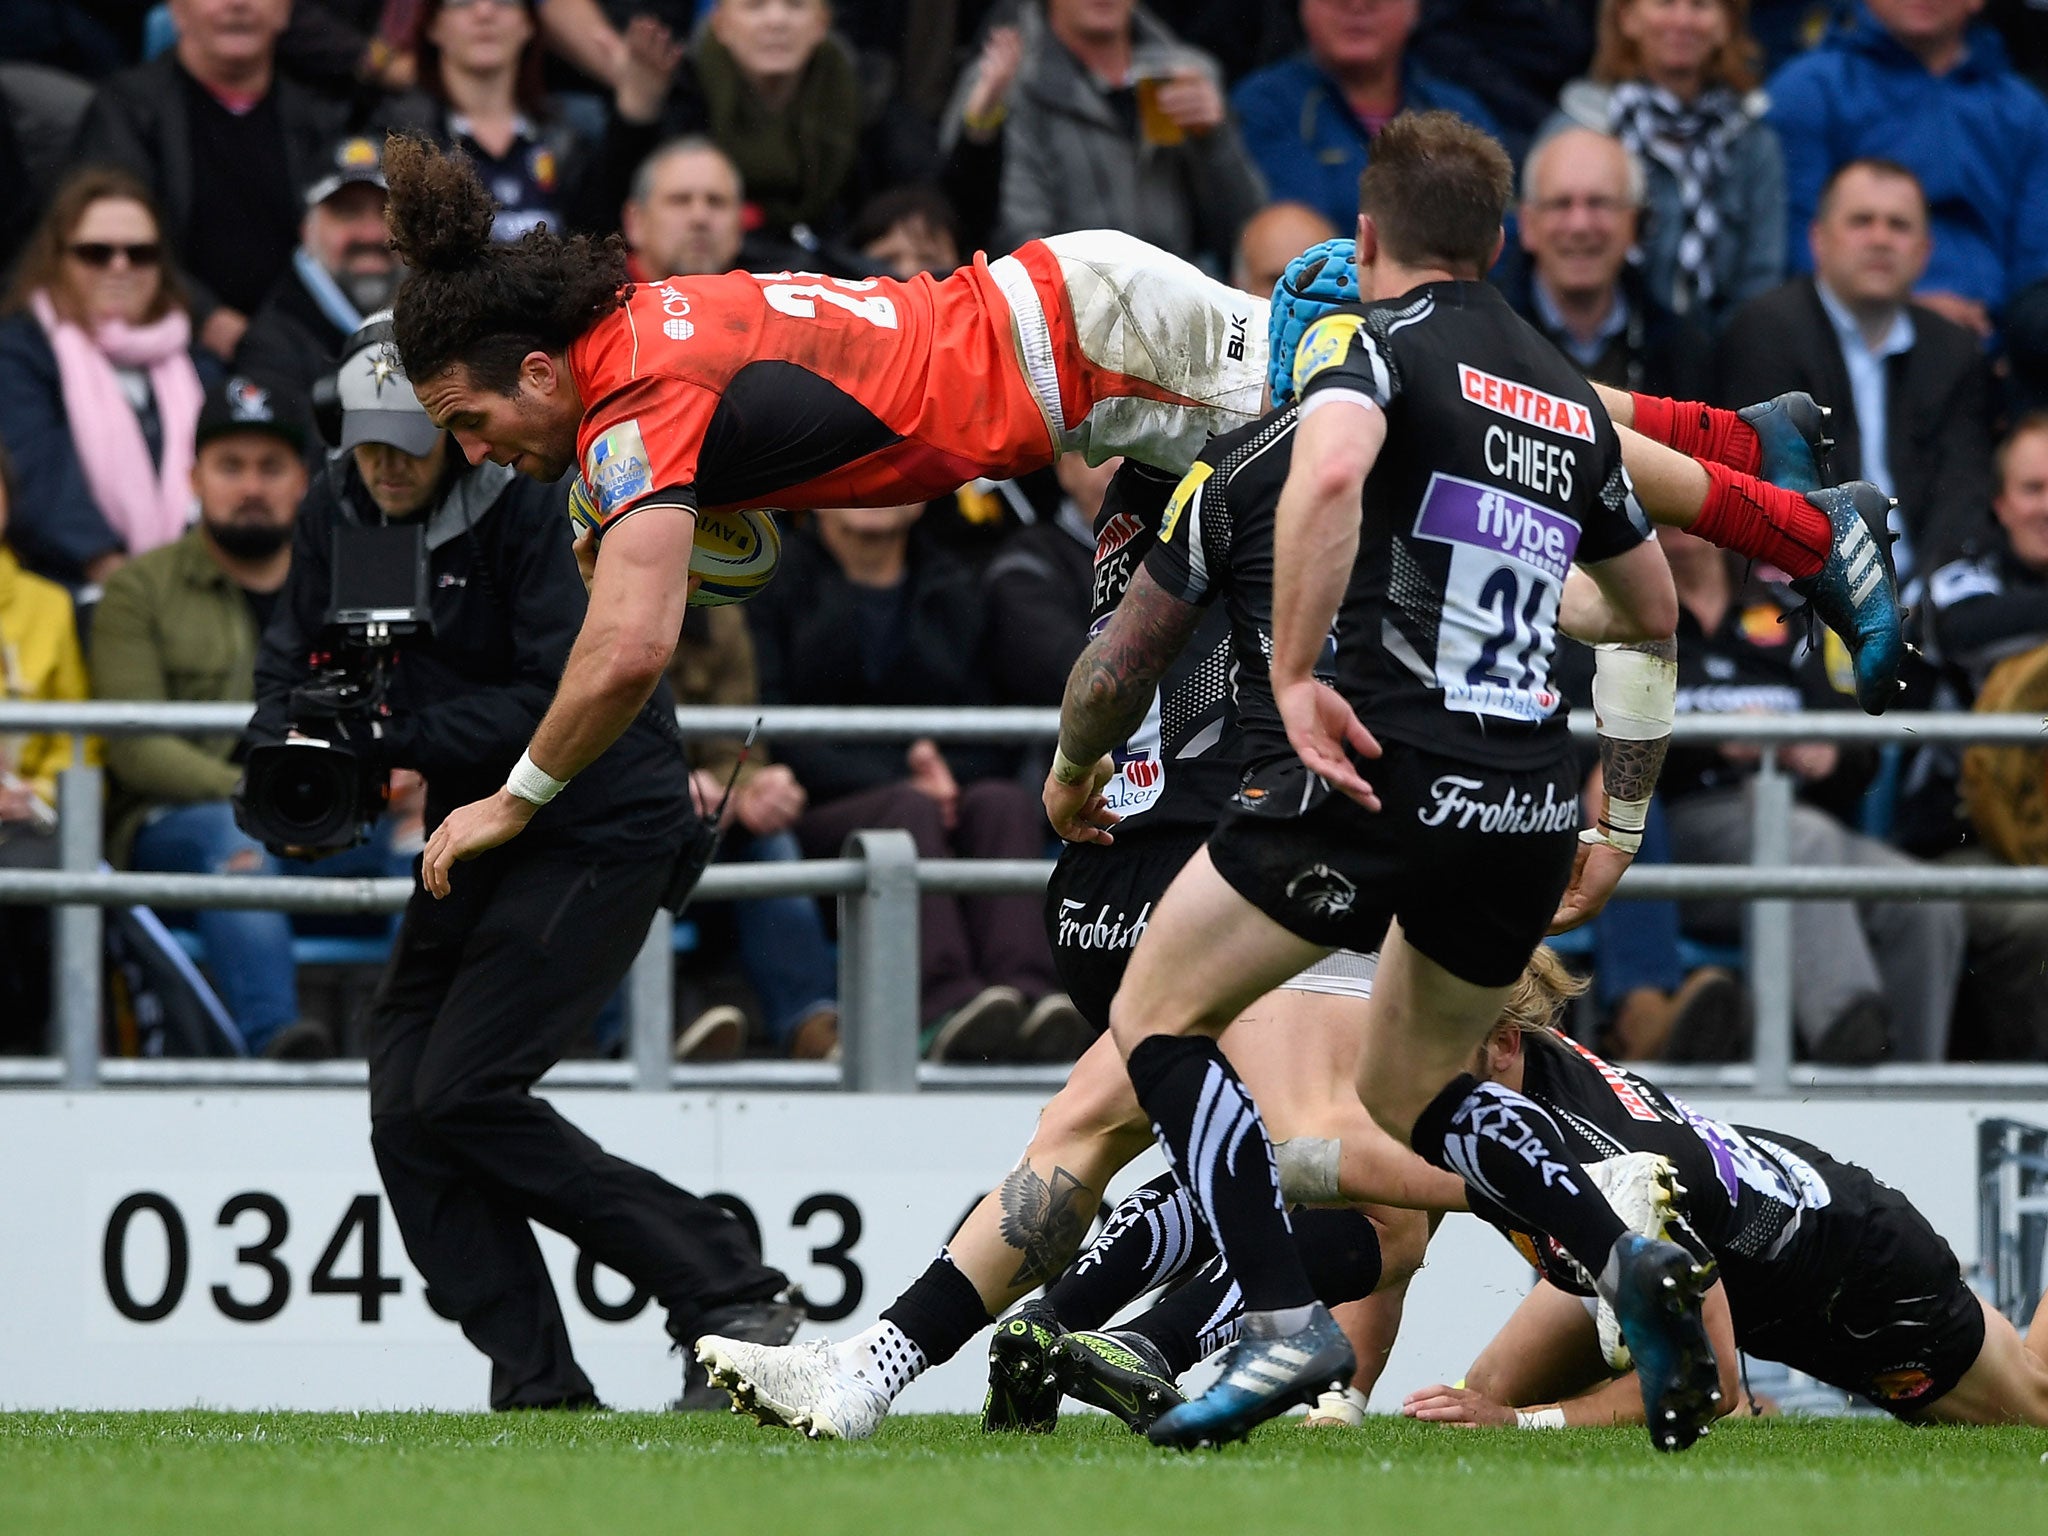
column 1703, row 432
column 1757, row 519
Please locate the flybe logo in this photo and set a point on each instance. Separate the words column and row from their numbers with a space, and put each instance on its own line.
column 1518, row 402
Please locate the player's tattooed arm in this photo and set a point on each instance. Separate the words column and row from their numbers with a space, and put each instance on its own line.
column 1629, row 769
column 1114, row 679
column 1044, row 1221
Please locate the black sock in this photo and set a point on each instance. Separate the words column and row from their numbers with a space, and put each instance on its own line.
column 1151, row 1239
column 1340, row 1249
column 1213, row 1139
column 940, row 1311
column 1193, row 1320
column 1509, row 1149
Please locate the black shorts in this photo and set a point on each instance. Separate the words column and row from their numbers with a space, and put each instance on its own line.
column 1887, row 1315
column 1472, row 860
column 1098, row 904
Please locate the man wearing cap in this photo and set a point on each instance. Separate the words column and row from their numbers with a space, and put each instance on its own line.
column 487, row 989
column 342, row 271
column 181, row 624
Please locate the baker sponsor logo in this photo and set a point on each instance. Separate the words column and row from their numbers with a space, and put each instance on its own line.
column 1140, row 776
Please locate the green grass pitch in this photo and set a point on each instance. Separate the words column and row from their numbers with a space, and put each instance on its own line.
column 283, row 1474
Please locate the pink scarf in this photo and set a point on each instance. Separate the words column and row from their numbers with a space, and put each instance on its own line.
column 146, row 503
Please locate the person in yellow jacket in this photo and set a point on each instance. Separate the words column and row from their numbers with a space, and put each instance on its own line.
column 40, row 660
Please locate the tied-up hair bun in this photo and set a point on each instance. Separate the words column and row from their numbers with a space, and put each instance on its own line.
column 439, row 211
column 485, row 304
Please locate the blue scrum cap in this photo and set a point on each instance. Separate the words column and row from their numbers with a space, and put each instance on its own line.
column 1315, row 282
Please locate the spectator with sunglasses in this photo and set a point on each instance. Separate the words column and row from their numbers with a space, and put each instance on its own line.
column 100, row 387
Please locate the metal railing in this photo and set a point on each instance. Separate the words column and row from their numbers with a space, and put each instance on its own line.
column 880, row 879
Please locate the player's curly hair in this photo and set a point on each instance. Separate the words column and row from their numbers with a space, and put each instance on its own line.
column 475, row 301
column 1540, row 993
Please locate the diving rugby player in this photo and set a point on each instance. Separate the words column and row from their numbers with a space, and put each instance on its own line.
column 790, row 390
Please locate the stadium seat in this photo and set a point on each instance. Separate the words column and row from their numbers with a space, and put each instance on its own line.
column 373, row 949
column 309, row 949
column 1692, row 953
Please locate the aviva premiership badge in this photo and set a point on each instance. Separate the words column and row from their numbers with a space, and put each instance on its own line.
column 618, row 470
column 1324, row 346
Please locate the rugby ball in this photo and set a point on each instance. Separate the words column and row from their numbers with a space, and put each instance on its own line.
column 735, row 551
column 582, row 510
column 735, row 555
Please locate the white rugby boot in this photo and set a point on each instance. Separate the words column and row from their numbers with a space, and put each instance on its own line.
column 813, row 1387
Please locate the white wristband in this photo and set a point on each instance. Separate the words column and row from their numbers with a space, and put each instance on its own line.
column 1066, row 770
column 1630, row 843
column 1621, row 825
column 1539, row 1418
column 531, row 784
column 1625, row 815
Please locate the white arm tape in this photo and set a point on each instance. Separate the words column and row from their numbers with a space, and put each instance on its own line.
column 1331, row 396
column 531, row 784
column 1635, row 694
column 1540, row 1418
column 1630, row 843
column 1308, row 1169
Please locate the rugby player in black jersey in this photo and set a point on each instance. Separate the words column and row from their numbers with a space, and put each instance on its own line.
column 1821, row 1266
column 1445, row 582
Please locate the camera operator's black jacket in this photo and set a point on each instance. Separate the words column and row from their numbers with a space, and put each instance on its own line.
column 507, row 602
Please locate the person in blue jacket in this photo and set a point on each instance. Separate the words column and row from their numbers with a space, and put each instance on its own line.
column 1918, row 84
column 1309, row 121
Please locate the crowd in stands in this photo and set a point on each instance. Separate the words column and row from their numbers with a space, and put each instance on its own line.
column 1719, row 200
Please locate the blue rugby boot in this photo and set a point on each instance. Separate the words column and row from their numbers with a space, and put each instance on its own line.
column 1792, row 430
column 1856, row 590
column 1023, row 1379
column 1658, row 1292
column 1263, row 1375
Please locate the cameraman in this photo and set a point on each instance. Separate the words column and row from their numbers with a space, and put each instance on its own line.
column 486, row 989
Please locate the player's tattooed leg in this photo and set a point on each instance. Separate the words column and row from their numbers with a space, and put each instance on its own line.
column 1045, row 1220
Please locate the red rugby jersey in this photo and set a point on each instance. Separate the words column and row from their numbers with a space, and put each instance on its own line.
column 794, row 390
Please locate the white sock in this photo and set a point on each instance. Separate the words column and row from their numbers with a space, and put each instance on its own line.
column 885, row 1356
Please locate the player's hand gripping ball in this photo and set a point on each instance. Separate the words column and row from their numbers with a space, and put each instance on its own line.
column 734, row 554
